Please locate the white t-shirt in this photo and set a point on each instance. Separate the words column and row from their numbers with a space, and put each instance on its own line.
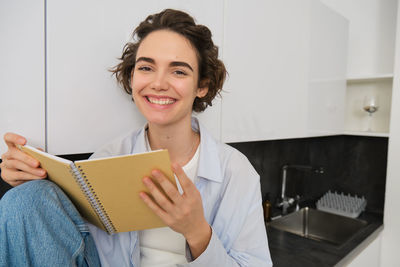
column 163, row 246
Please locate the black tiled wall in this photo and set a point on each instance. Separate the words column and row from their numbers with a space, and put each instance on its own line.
column 353, row 164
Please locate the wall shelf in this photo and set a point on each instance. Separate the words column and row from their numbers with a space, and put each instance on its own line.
column 370, row 78
column 365, row 133
column 356, row 119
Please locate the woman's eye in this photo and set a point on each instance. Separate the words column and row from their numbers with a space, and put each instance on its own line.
column 144, row 68
column 180, row 73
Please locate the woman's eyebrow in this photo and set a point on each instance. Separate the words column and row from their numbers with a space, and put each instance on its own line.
column 146, row 59
column 172, row 64
column 180, row 64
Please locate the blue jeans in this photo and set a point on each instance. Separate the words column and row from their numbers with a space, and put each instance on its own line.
column 39, row 226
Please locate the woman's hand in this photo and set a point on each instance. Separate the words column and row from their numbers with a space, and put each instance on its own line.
column 182, row 213
column 18, row 167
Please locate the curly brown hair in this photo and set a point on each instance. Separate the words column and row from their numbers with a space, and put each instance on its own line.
column 212, row 71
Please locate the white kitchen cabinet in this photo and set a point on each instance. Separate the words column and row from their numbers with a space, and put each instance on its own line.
column 22, row 70
column 85, row 107
column 327, row 70
column 370, row 62
column 371, row 35
column 265, row 51
column 274, row 89
column 369, row 256
column 287, row 70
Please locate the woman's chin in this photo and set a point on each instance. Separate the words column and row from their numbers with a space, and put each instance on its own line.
column 158, row 120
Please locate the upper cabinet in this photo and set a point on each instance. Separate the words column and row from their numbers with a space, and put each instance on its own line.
column 285, row 59
column 371, row 35
column 286, row 63
column 22, row 70
column 266, row 54
column 327, row 70
column 370, row 63
column 86, row 108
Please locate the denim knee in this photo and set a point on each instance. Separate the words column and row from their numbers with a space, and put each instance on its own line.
column 25, row 194
column 41, row 196
column 41, row 227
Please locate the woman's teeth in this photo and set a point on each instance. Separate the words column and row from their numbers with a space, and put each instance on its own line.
column 162, row 101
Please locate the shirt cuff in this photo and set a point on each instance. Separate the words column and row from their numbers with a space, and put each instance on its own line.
column 211, row 256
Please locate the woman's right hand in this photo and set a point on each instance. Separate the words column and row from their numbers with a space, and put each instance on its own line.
column 18, row 167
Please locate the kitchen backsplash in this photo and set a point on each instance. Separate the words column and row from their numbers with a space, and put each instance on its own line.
column 353, row 164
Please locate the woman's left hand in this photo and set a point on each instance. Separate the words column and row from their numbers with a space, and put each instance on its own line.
column 182, row 213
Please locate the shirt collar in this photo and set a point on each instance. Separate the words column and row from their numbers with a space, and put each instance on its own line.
column 139, row 146
column 209, row 163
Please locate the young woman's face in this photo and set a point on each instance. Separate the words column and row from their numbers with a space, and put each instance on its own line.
column 165, row 78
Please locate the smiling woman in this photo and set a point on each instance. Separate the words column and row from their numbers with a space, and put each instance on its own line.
column 214, row 217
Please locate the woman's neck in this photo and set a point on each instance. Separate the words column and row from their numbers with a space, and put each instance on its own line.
column 181, row 141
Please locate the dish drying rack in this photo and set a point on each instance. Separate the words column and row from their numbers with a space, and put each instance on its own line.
column 341, row 204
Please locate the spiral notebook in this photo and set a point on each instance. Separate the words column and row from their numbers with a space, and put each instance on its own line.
column 106, row 190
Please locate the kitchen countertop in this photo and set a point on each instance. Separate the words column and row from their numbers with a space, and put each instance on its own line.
column 291, row 250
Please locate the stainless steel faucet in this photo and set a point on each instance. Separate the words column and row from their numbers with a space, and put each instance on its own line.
column 285, row 201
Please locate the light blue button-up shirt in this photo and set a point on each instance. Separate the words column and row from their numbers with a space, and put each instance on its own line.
column 231, row 195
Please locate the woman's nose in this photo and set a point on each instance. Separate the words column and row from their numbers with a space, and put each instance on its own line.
column 160, row 82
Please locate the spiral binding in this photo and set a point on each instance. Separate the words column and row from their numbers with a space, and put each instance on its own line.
column 92, row 197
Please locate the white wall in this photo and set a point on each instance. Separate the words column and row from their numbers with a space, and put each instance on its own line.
column 391, row 233
column 22, row 83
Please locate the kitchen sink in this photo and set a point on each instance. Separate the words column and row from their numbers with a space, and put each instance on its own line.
column 319, row 225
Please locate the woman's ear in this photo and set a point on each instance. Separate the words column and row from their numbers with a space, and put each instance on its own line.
column 201, row 92
column 203, row 88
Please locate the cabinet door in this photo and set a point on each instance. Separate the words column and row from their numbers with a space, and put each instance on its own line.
column 86, row 108
column 327, row 76
column 266, row 52
column 372, row 34
column 22, row 71
column 370, row 256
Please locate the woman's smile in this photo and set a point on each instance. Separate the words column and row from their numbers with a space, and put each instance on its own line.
column 163, row 101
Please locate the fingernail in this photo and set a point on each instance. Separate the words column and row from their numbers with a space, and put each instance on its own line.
column 146, row 180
